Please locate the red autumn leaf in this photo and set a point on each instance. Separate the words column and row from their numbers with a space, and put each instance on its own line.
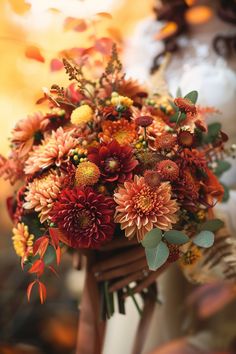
column 104, row 45
column 41, row 245
column 29, row 289
column 37, row 267
column 53, row 270
column 58, row 255
column 55, row 236
column 56, row 65
column 104, row 15
column 19, row 6
column 75, row 24
column 33, row 52
column 211, row 298
column 42, row 292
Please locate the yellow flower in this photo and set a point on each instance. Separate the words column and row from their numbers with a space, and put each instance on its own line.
column 191, row 257
column 82, row 115
column 22, row 241
column 121, row 100
column 87, row 174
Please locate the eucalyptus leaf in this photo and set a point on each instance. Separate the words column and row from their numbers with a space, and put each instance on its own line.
column 204, row 239
column 157, row 256
column 192, row 96
column 176, row 237
column 152, row 238
column 212, row 225
column 174, row 117
column 226, row 193
column 222, row 166
column 212, row 133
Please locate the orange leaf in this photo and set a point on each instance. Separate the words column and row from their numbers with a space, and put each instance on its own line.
column 198, row 14
column 104, row 45
column 190, row 2
column 58, row 255
column 41, row 245
column 56, row 65
column 55, row 236
column 19, row 6
column 42, row 292
column 167, row 31
column 104, row 15
column 75, row 24
column 53, row 270
column 37, row 267
column 29, row 289
column 33, row 52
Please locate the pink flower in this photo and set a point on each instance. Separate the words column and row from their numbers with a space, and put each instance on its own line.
column 141, row 208
column 52, row 151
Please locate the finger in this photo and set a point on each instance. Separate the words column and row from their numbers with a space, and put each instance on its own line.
column 122, row 271
column 120, row 284
column 121, row 259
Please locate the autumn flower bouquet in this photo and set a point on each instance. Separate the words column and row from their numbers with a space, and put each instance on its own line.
column 127, row 179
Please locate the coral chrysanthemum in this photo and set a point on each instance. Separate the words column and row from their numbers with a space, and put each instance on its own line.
column 42, row 193
column 165, row 141
column 85, row 217
column 53, row 150
column 27, row 132
column 22, row 241
column 121, row 130
column 185, row 105
column 193, row 159
column 141, row 208
column 115, row 162
column 87, row 174
column 168, row 170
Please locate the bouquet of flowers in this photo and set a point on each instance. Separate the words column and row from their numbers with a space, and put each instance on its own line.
column 128, row 179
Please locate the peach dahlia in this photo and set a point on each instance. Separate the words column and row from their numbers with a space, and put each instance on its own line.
column 141, row 208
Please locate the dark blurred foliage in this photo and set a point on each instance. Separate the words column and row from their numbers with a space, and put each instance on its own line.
column 32, row 327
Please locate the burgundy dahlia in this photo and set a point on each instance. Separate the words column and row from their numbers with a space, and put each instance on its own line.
column 115, row 162
column 85, row 217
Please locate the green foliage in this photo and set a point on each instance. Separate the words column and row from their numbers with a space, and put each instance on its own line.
column 213, row 133
column 204, row 239
column 157, row 256
column 226, row 193
column 212, row 225
column 176, row 237
column 192, row 96
column 222, row 166
column 152, row 238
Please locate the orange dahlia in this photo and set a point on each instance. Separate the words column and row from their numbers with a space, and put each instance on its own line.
column 42, row 193
column 22, row 241
column 141, row 208
column 121, row 130
column 53, row 150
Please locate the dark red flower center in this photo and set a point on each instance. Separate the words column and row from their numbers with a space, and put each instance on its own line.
column 83, row 219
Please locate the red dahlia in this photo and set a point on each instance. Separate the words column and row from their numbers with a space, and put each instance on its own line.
column 115, row 162
column 85, row 217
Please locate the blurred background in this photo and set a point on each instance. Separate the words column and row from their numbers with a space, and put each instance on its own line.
column 34, row 36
